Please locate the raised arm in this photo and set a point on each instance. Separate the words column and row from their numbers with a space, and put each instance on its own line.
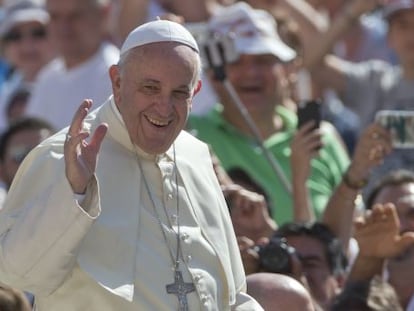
column 42, row 224
column 305, row 146
column 373, row 145
column 318, row 40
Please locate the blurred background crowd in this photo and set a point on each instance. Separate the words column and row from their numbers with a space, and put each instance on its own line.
column 323, row 209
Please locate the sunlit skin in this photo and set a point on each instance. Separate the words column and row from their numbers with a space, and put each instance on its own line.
column 153, row 91
column 257, row 79
column 77, row 28
column 401, row 38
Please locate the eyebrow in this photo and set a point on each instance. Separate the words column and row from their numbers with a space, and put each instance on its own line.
column 149, row 80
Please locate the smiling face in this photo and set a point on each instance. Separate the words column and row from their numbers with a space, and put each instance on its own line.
column 27, row 47
column 257, row 81
column 153, row 88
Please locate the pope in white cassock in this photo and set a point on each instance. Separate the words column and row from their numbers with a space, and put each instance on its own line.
column 122, row 210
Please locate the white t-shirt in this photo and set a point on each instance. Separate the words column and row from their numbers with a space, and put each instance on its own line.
column 59, row 91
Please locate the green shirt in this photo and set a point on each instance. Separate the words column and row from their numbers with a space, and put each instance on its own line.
column 236, row 150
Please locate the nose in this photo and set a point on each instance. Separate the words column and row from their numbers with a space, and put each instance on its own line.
column 251, row 69
column 164, row 104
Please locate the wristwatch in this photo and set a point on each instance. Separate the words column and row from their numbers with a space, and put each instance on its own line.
column 354, row 184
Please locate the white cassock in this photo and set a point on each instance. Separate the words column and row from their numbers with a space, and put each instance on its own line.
column 109, row 253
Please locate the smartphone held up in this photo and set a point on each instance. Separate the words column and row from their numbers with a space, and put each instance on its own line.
column 400, row 124
column 309, row 110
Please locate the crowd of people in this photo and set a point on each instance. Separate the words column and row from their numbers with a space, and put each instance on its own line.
column 159, row 155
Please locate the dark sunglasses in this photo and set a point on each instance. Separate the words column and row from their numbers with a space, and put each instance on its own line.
column 16, row 36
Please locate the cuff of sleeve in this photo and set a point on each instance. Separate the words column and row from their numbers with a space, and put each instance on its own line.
column 89, row 201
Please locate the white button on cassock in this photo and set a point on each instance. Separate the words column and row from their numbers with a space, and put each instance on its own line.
column 185, row 237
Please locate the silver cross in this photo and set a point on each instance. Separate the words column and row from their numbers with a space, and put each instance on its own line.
column 180, row 289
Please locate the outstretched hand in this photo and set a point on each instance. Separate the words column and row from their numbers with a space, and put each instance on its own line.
column 80, row 155
column 378, row 233
column 373, row 146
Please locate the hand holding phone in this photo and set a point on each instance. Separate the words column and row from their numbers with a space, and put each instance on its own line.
column 309, row 110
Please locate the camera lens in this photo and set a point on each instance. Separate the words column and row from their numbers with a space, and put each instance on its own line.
column 275, row 257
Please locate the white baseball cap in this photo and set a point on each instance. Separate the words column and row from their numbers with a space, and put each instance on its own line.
column 17, row 12
column 396, row 6
column 159, row 31
column 253, row 31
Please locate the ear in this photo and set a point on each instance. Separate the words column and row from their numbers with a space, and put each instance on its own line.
column 115, row 75
column 198, row 87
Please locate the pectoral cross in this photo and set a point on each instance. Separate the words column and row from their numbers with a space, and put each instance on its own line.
column 180, row 289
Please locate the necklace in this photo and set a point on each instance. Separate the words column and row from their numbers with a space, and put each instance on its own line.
column 179, row 288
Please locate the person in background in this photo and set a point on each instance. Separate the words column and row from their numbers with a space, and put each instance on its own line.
column 322, row 259
column 136, row 219
column 258, row 78
column 17, row 141
column 78, row 28
column 25, row 46
column 373, row 146
column 397, row 187
column 370, row 86
column 379, row 239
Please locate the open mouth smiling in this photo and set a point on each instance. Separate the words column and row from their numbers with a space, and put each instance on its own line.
column 157, row 123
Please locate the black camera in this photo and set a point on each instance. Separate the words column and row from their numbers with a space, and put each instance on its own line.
column 276, row 256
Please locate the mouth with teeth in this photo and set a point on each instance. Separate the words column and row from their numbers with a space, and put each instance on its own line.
column 158, row 123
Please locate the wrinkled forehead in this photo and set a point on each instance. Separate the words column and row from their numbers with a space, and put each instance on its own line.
column 157, row 61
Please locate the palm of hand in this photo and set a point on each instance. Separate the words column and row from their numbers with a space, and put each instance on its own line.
column 378, row 235
column 81, row 156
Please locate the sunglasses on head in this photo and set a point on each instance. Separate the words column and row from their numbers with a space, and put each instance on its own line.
column 16, row 35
